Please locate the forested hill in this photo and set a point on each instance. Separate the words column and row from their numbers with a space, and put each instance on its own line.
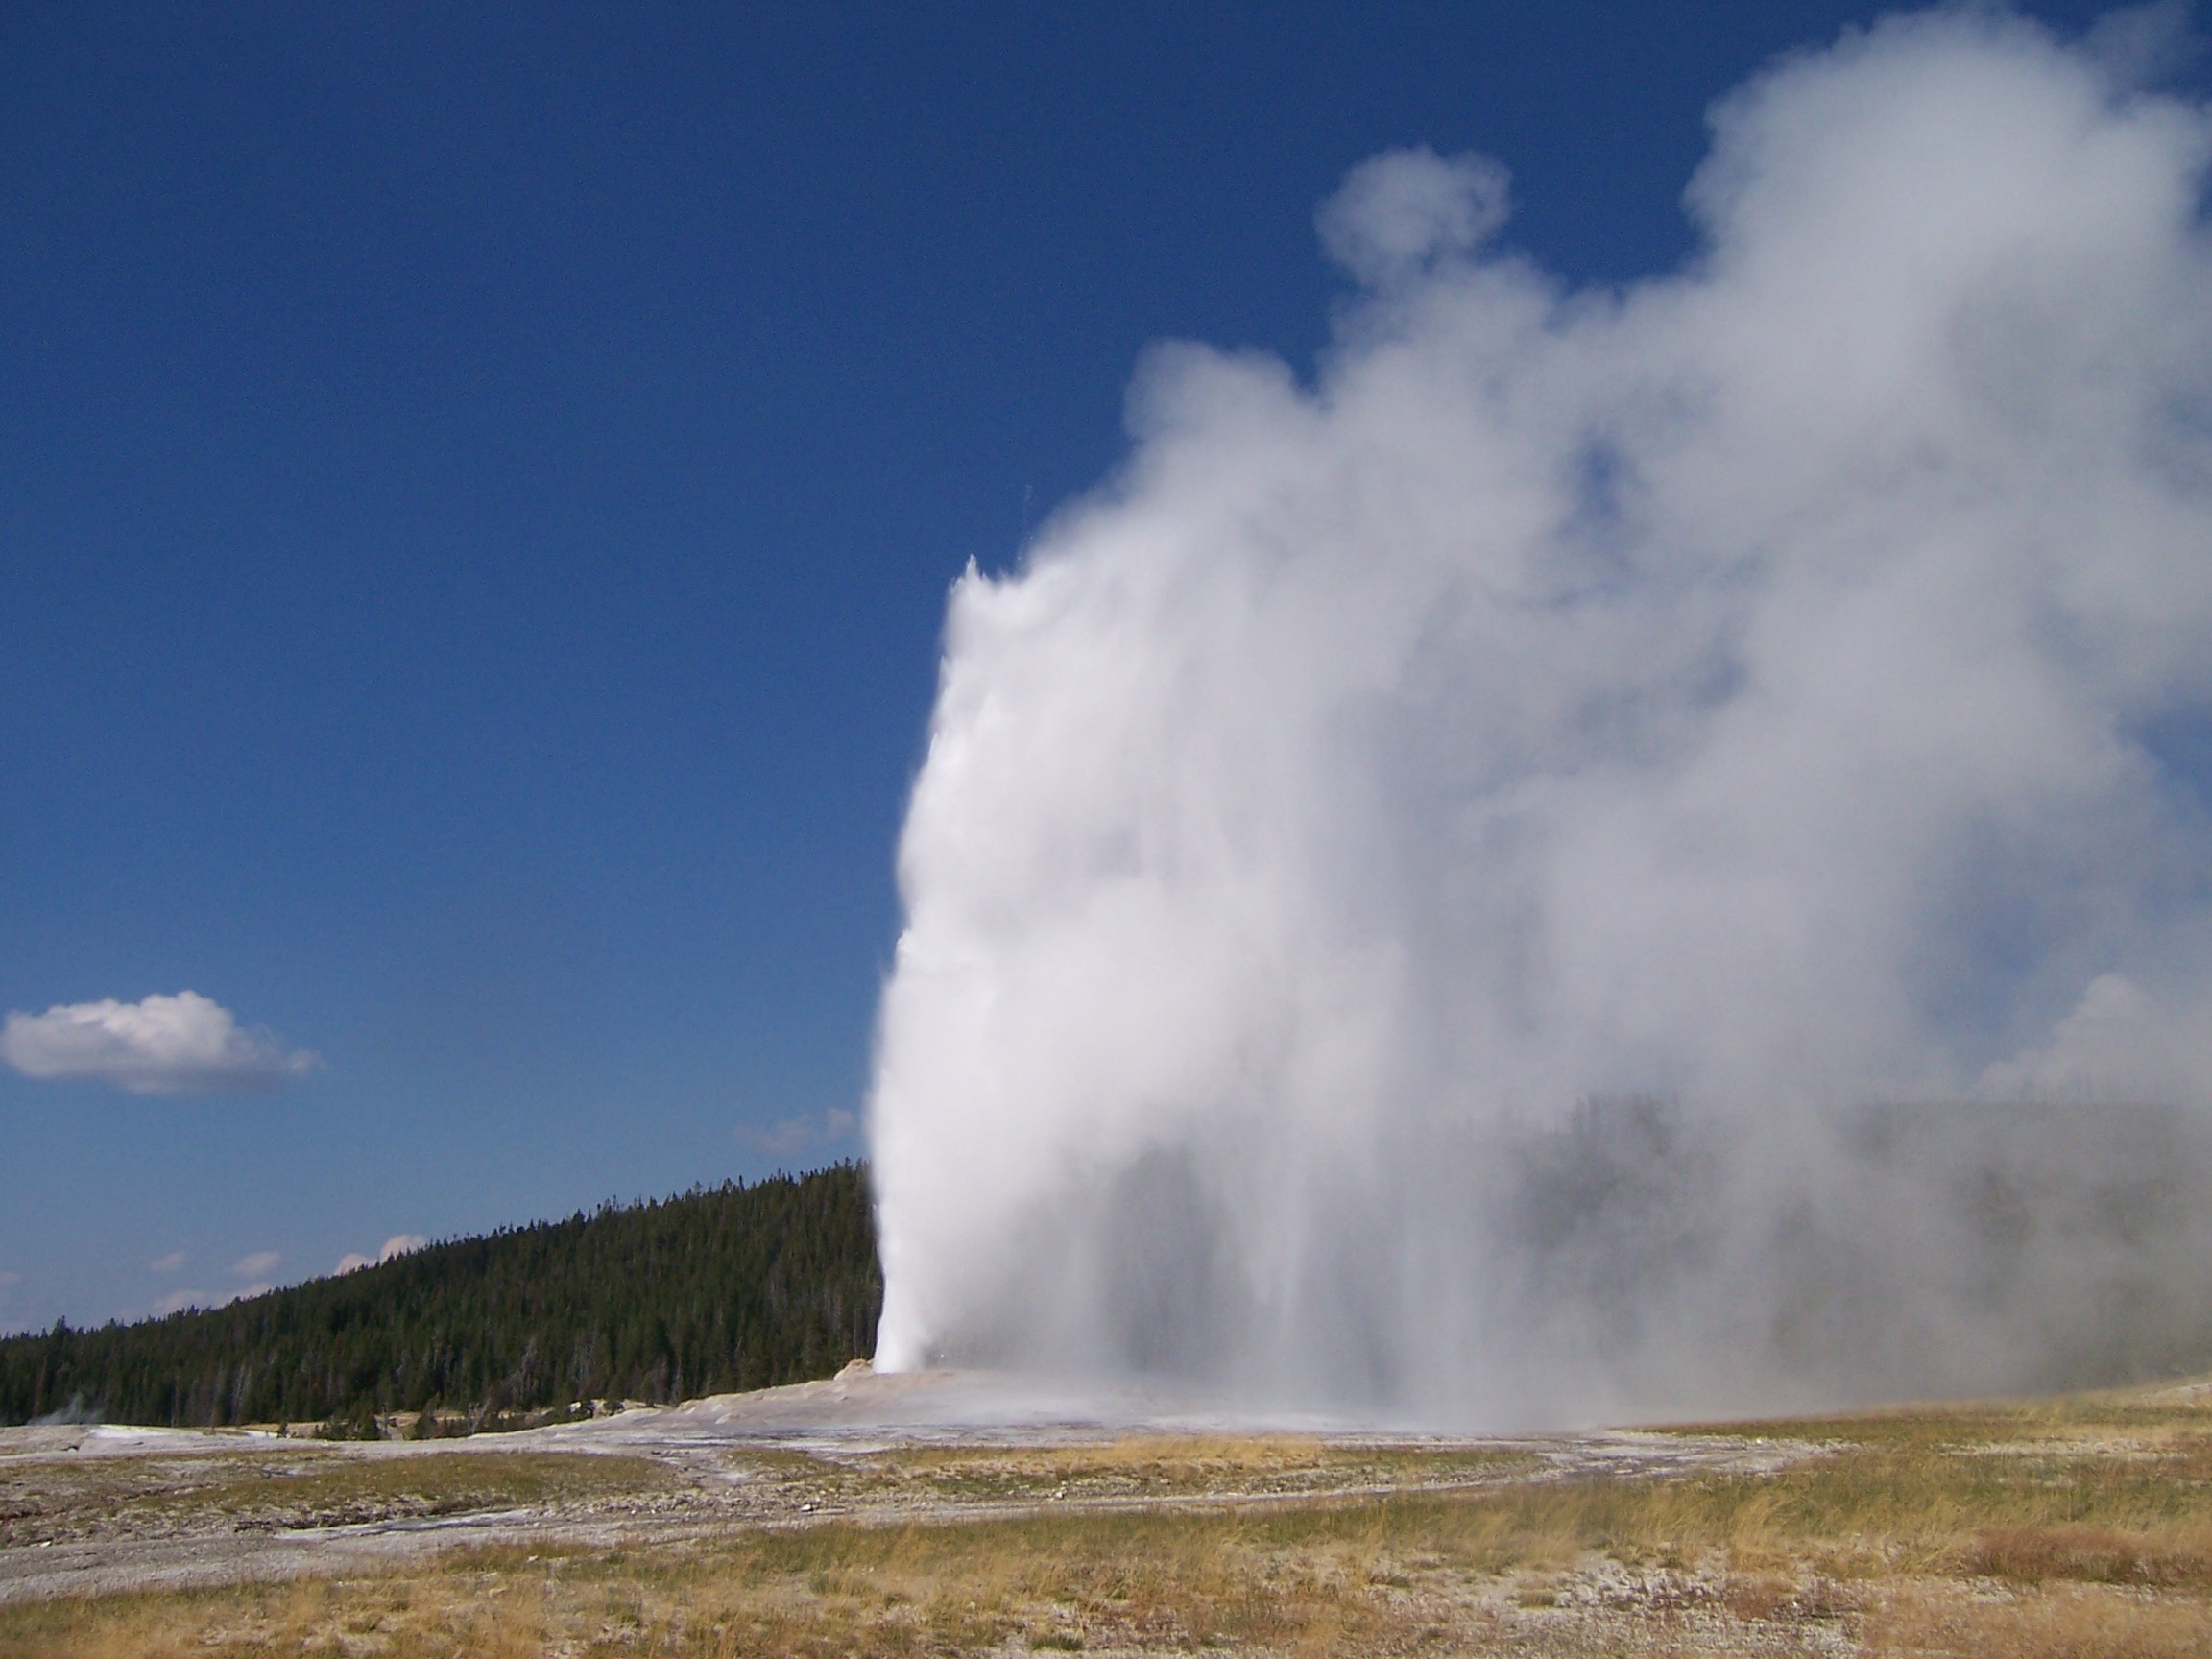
column 741, row 1287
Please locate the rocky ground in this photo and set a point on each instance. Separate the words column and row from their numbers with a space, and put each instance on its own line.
column 855, row 1515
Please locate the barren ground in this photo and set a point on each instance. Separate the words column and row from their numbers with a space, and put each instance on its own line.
column 911, row 1516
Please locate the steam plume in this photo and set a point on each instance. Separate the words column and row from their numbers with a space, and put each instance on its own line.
column 1442, row 889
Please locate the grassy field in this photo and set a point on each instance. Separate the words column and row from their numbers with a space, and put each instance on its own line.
column 2076, row 1528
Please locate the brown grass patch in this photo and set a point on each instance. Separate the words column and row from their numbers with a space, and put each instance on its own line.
column 2082, row 1624
column 2091, row 1554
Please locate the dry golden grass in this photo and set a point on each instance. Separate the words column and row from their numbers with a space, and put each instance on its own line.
column 885, row 1592
column 2095, row 1623
column 2038, row 1533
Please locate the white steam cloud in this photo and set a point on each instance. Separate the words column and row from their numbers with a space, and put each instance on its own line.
column 1444, row 889
column 181, row 1045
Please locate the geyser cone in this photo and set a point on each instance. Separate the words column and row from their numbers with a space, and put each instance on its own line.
column 1416, row 885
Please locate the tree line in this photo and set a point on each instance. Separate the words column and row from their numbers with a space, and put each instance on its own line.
column 729, row 1287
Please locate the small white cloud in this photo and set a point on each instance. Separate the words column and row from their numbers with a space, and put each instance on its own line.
column 185, row 1044
column 398, row 1244
column 789, row 1136
column 168, row 1263
column 177, row 1301
column 258, row 1265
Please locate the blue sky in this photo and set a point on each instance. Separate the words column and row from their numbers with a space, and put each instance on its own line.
column 478, row 488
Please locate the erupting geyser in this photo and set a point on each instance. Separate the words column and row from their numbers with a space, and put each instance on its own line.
column 1623, row 849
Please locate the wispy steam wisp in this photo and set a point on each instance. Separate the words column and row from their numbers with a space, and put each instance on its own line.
column 1439, row 889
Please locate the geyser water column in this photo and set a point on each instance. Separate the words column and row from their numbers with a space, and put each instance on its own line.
column 1415, row 878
